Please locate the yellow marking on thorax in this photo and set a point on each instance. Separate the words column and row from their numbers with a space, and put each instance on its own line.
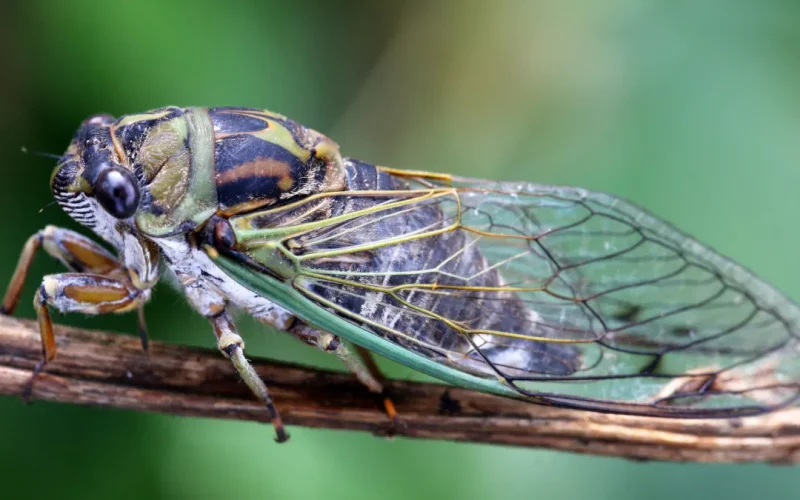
column 127, row 120
column 273, row 132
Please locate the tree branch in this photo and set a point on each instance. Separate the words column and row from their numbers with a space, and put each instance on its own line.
column 100, row 369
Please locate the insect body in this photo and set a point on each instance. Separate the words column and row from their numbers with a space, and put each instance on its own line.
column 554, row 295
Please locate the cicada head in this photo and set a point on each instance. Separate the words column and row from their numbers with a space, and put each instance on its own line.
column 117, row 170
column 92, row 183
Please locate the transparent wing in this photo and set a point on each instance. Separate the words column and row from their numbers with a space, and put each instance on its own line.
column 573, row 298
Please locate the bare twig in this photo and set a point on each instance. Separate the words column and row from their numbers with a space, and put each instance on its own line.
column 101, row 369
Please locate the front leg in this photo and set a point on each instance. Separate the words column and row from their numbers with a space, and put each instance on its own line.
column 100, row 283
column 81, row 293
column 75, row 251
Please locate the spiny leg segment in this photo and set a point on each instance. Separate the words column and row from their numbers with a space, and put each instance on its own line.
column 232, row 347
column 76, row 252
column 328, row 342
column 99, row 285
column 213, row 305
column 361, row 363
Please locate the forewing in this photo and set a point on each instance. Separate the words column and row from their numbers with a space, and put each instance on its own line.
column 678, row 327
column 573, row 298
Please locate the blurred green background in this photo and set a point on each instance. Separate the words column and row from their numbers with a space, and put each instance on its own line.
column 691, row 109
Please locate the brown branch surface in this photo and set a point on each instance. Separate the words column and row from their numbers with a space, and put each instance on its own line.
column 100, row 369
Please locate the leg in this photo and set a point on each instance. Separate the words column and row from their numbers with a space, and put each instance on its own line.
column 207, row 297
column 363, row 365
column 369, row 362
column 232, row 347
column 365, row 369
column 210, row 302
column 83, row 293
column 330, row 343
column 77, row 253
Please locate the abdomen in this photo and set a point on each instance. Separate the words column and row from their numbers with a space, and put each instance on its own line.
column 424, row 275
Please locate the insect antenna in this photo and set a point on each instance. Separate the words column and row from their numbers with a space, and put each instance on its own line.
column 48, row 206
column 41, row 153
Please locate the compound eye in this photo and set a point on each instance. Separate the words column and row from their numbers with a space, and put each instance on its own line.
column 117, row 192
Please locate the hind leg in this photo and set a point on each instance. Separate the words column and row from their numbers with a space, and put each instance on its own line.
column 360, row 363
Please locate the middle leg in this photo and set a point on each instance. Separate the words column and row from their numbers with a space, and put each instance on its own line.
column 214, row 306
column 232, row 347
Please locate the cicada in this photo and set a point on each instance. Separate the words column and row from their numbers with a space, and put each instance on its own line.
column 553, row 295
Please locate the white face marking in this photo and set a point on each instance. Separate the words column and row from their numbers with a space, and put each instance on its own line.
column 206, row 285
column 106, row 226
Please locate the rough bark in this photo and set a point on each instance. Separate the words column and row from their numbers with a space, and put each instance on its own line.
column 101, row 369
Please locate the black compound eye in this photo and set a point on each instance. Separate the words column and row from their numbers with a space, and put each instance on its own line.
column 117, row 192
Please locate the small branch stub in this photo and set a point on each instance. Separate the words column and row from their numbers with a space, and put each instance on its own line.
column 101, row 369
